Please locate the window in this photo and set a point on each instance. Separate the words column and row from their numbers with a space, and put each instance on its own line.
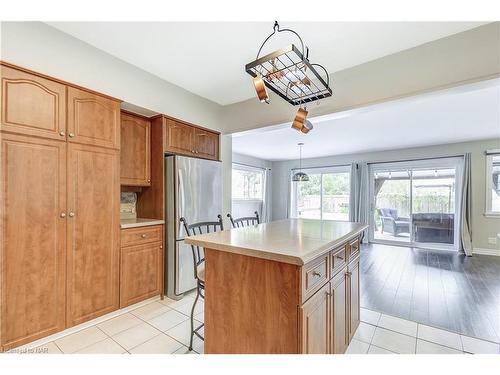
column 325, row 196
column 247, row 183
column 493, row 183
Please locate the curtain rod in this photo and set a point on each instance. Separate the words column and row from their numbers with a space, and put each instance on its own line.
column 251, row 166
column 415, row 159
column 326, row 166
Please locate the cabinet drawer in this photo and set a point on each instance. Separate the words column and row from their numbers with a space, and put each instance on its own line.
column 137, row 236
column 338, row 259
column 353, row 248
column 314, row 275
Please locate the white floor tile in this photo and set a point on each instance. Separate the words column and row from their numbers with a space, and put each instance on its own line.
column 403, row 326
column 364, row 332
column 186, row 308
column 184, row 350
column 200, row 317
column 476, row 346
column 80, row 340
column 198, row 345
column 120, row 323
column 439, row 336
column 161, row 344
column 376, row 350
column 182, row 332
column 426, row 347
column 49, row 348
column 393, row 341
column 370, row 316
column 107, row 346
column 177, row 303
column 150, row 311
column 357, row 347
column 136, row 335
column 168, row 320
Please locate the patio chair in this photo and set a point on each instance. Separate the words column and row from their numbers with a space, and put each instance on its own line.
column 392, row 223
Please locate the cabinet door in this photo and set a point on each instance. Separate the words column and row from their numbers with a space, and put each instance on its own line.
column 32, row 105
column 33, row 246
column 179, row 138
column 93, row 232
column 206, row 144
column 316, row 323
column 93, row 119
column 140, row 272
column 354, row 305
column 135, row 159
column 339, row 313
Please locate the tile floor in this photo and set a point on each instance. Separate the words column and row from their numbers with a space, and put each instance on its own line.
column 163, row 327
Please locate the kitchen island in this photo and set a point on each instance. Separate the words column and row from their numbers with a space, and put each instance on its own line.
column 288, row 286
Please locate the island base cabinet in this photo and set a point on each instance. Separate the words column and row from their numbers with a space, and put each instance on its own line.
column 353, row 291
column 339, row 313
column 315, row 318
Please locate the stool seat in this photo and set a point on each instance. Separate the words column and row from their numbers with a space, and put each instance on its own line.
column 201, row 272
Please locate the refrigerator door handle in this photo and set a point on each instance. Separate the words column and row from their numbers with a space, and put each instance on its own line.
column 180, row 191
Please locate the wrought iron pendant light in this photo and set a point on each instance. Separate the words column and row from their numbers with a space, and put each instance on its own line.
column 288, row 73
column 300, row 176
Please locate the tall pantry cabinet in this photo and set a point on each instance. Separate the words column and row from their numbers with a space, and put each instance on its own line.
column 59, row 202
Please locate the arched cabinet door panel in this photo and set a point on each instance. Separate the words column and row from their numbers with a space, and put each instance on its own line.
column 93, row 119
column 32, row 105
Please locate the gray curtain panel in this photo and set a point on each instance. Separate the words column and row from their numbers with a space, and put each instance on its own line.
column 466, row 214
column 266, row 202
column 358, row 199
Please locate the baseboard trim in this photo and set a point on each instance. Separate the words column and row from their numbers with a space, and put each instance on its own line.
column 482, row 251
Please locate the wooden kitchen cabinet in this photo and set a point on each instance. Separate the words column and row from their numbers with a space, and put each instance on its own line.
column 33, row 246
column 135, row 150
column 206, row 144
column 32, row 105
column 186, row 139
column 93, row 232
column 141, row 269
column 315, row 321
column 93, row 119
column 353, row 297
column 338, row 314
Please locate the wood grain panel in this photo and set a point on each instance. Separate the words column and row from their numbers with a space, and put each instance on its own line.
column 141, row 235
column 33, row 246
column 339, row 311
column 135, row 152
column 206, row 144
column 179, row 138
column 315, row 323
column 32, row 105
column 140, row 272
column 314, row 275
column 354, row 296
column 251, row 304
column 93, row 119
column 93, row 232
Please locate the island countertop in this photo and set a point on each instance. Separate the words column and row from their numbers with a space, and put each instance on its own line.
column 293, row 241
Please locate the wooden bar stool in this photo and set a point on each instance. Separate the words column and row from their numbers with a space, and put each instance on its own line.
column 199, row 264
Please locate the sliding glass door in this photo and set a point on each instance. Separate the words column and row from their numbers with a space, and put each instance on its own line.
column 324, row 197
column 416, row 202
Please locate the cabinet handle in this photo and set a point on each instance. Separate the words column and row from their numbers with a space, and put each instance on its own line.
column 143, row 236
column 71, row 135
column 62, row 134
column 316, row 273
column 348, row 273
column 328, row 294
column 339, row 257
column 63, row 215
column 71, row 214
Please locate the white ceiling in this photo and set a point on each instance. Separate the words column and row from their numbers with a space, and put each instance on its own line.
column 466, row 113
column 208, row 59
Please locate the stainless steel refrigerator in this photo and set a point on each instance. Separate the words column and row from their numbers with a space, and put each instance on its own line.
column 193, row 189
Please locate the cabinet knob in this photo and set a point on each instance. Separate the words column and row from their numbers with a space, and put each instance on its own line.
column 143, row 235
column 63, row 215
column 161, row 247
column 149, row 180
column 348, row 273
column 71, row 135
column 71, row 214
column 316, row 273
column 62, row 134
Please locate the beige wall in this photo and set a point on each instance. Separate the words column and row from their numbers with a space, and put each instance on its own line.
column 483, row 227
column 468, row 56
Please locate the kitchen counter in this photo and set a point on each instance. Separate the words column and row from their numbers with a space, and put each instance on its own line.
column 293, row 241
column 139, row 222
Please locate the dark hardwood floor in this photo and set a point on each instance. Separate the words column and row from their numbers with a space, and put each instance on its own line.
column 438, row 288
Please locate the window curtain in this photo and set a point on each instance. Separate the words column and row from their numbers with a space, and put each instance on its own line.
column 358, row 199
column 466, row 214
column 266, row 200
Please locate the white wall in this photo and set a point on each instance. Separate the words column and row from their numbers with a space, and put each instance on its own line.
column 482, row 227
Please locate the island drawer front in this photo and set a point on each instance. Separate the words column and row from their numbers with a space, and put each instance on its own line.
column 314, row 275
column 338, row 259
column 137, row 236
column 353, row 248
